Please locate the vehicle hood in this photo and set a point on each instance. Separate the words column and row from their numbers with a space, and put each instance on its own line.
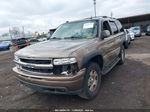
column 136, row 31
column 53, row 48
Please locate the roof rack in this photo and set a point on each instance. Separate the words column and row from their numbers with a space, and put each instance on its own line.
column 106, row 17
column 99, row 16
column 93, row 18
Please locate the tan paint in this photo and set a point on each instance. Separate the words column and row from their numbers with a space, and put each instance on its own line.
column 110, row 48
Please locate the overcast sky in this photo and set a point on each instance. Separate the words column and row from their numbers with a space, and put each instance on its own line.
column 41, row 15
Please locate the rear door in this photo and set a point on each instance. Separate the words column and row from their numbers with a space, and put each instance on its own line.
column 118, row 36
column 107, row 45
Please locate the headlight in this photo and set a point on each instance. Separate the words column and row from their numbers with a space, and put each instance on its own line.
column 64, row 61
column 16, row 58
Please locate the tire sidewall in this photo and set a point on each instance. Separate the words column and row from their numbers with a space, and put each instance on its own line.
column 126, row 45
column 122, row 55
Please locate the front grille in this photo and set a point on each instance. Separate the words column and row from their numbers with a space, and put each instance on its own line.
column 36, row 65
column 44, row 67
column 36, row 61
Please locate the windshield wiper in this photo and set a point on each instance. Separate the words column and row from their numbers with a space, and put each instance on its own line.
column 73, row 37
column 55, row 38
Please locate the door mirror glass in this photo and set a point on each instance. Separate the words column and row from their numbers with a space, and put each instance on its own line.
column 106, row 33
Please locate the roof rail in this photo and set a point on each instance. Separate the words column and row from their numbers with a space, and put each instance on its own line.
column 100, row 16
column 88, row 17
column 95, row 18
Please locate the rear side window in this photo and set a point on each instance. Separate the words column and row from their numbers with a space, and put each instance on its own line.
column 119, row 25
column 113, row 27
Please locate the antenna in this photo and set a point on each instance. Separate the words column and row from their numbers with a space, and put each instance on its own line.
column 94, row 7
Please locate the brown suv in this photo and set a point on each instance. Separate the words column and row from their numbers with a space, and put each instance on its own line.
column 74, row 59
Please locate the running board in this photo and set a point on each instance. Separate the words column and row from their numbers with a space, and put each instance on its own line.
column 109, row 67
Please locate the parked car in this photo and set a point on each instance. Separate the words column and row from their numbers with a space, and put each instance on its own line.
column 131, row 34
column 73, row 61
column 127, row 39
column 48, row 38
column 148, row 31
column 5, row 45
column 20, row 43
column 137, row 31
column 32, row 39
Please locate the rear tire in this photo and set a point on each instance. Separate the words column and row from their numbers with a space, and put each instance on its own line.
column 126, row 45
column 122, row 56
column 92, row 76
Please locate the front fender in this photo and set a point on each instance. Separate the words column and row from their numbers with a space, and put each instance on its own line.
column 88, row 57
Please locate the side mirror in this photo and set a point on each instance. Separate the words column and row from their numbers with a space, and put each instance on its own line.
column 106, row 33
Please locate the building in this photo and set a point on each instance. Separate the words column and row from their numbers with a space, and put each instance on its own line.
column 138, row 20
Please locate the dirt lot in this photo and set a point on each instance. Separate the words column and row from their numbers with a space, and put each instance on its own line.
column 125, row 87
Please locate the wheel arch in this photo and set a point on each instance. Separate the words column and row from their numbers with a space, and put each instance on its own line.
column 95, row 56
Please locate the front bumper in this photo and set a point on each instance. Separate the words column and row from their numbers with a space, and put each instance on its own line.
column 52, row 84
column 137, row 35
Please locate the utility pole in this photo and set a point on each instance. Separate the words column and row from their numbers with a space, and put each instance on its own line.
column 10, row 34
column 94, row 7
column 111, row 14
column 23, row 34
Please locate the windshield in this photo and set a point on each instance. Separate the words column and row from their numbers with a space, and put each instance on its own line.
column 4, row 43
column 77, row 30
column 130, row 31
column 148, row 28
column 136, row 28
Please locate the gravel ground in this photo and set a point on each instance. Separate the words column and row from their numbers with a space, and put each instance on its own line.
column 125, row 87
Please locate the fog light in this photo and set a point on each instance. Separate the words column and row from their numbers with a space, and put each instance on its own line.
column 18, row 66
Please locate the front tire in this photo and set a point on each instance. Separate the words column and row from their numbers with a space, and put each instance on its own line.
column 92, row 81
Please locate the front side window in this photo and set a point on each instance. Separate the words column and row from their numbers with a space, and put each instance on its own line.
column 106, row 26
column 77, row 30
